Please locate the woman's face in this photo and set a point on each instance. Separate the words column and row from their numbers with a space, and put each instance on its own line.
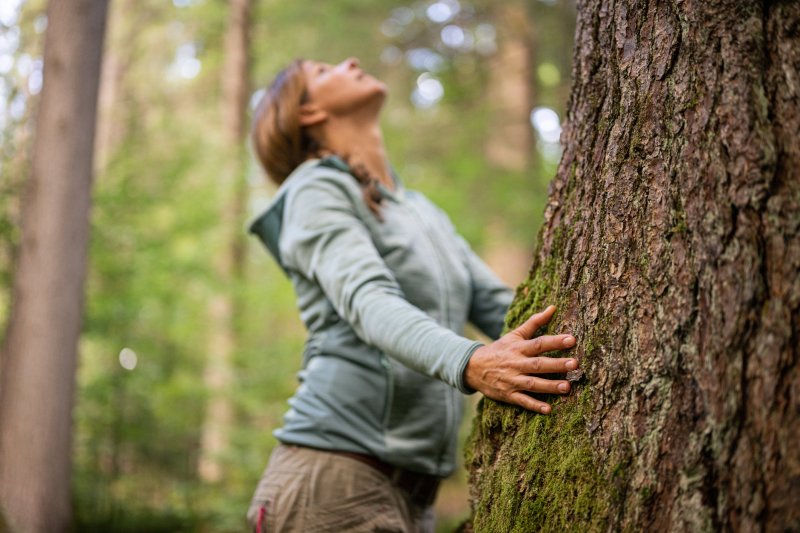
column 342, row 89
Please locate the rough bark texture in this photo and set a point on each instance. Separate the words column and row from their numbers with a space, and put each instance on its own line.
column 671, row 246
column 223, row 307
column 40, row 349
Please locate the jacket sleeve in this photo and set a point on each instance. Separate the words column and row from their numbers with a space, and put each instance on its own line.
column 324, row 239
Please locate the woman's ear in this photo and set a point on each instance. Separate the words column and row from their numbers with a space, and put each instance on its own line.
column 310, row 114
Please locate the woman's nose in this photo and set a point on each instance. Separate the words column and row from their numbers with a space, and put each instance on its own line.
column 350, row 62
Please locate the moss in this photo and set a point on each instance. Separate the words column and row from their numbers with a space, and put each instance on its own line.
column 535, row 291
column 547, row 479
column 646, row 493
column 692, row 103
column 679, row 227
column 534, row 472
column 531, row 472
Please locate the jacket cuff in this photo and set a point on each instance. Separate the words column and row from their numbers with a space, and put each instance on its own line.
column 462, row 366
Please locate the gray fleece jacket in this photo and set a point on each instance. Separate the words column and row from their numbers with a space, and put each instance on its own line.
column 385, row 304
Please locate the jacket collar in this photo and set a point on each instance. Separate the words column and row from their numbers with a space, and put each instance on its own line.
column 267, row 226
column 334, row 161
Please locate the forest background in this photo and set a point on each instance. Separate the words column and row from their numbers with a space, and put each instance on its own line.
column 173, row 417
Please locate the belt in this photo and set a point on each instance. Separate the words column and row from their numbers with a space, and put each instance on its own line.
column 421, row 488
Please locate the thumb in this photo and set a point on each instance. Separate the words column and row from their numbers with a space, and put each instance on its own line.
column 529, row 327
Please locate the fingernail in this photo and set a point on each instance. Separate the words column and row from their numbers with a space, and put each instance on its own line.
column 545, row 409
column 572, row 364
column 569, row 341
column 562, row 387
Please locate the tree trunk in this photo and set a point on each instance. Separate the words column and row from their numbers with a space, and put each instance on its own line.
column 40, row 349
column 509, row 142
column 114, row 105
column 671, row 247
column 223, row 307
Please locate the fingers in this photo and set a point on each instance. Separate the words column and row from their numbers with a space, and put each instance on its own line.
column 547, row 343
column 547, row 365
column 527, row 329
column 529, row 402
column 548, row 386
column 534, row 384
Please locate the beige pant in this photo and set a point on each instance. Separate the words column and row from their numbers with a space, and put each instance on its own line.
column 306, row 490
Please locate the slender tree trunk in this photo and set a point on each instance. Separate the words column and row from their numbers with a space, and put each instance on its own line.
column 113, row 105
column 509, row 142
column 40, row 350
column 223, row 307
column 671, row 246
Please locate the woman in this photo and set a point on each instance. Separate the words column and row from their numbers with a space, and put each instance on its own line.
column 384, row 285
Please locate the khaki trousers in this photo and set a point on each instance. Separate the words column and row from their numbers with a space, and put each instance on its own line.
column 309, row 490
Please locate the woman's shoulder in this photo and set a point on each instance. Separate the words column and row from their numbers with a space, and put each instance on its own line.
column 323, row 174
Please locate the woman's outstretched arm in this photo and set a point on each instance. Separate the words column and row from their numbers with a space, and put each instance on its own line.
column 325, row 240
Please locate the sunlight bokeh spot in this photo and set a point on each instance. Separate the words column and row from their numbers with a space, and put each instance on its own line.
column 453, row 36
column 443, row 10
column 186, row 64
column 6, row 63
column 128, row 359
column 485, row 36
column 9, row 12
column 548, row 74
column 391, row 55
column 40, row 24
column 424, row 59
column 546, row 123
column 428, row 92
column 403, row 15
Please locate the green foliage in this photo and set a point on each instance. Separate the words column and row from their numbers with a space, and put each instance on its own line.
column 157, row 234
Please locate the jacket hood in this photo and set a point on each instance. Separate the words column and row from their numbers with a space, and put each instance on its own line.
column 267, row 226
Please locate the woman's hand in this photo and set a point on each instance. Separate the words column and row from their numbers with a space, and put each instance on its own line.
column 504, row 369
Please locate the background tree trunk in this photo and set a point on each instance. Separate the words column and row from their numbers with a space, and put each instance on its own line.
column 510, row 141
column 114, row 101
column 40, row 350
column 671, row 246
column 223, row 306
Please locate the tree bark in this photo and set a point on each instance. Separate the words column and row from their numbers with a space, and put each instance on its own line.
column 510, row 141
column 40, row 348
column 223, row 307
column 671, row 247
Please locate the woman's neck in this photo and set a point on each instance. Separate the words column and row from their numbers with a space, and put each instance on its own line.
column 360, row 144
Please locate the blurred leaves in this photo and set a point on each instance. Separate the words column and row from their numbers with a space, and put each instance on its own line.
column 156, row 230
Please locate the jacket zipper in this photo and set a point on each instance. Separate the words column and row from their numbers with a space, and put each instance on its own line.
column 449, row 408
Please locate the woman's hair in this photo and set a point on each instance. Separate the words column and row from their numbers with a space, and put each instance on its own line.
column 282, row 143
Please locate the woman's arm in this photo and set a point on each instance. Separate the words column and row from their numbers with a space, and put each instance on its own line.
column 324, row 239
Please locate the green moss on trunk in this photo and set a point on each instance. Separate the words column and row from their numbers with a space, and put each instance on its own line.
column 547, row 478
